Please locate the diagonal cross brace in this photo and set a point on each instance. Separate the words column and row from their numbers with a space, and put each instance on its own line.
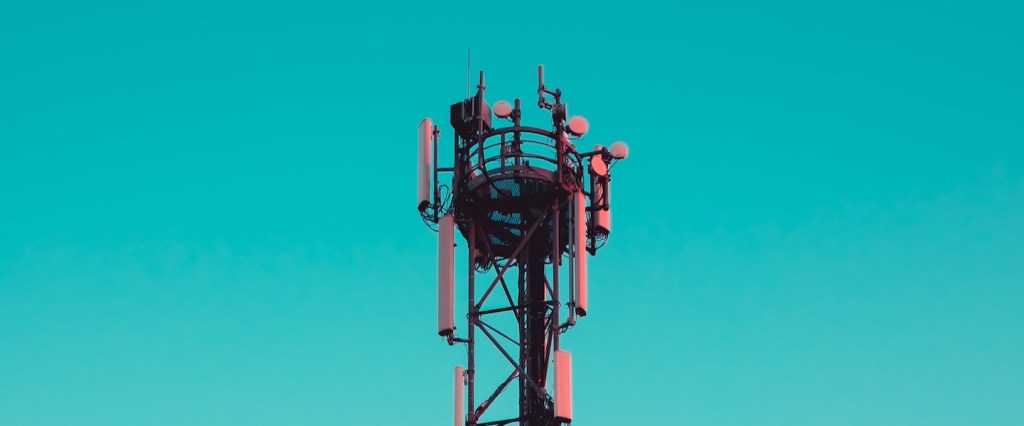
column 501, row 274
column 481, row 322
column 519, row 369
column 483, row 406
column 500, row 277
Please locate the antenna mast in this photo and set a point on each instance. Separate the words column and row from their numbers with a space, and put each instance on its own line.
column 529, row 204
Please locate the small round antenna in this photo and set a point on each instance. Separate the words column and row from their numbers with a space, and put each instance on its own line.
column 502, row 109
column 619, row 150
column 578, row 126
column 598, row 166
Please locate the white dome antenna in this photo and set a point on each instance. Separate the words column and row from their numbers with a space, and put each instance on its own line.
column 578, row 126
column 502, row 109
column 619, row 150
column 598, row 166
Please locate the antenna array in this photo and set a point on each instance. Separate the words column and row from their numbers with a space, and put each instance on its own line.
column 528, row 203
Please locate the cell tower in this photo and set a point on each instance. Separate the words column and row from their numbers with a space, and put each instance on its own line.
column 527, row 200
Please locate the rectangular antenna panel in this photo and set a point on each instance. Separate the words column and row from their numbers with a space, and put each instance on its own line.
column 446, row 275
column 425, row 164
column 580, row 250
column 603, row 217
column 466, row 117
column 563, row 386
column 459, row 382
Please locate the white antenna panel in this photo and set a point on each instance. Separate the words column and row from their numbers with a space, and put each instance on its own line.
column 459, row 382
column 446, row 275
column 425, row 163
column 580, row 243
column 603, row 217
column 563, row 386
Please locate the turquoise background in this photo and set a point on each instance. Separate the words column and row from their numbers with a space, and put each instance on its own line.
column 207, row 209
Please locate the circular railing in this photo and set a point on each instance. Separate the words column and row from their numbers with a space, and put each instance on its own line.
column 522, row 152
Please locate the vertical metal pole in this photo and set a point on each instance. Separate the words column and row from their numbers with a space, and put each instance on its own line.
column 556, row 257
column 556, row 248
column 473, row 313
column 457, row 176
column 523, row 339
column 572, row 259
column 472, row 319
column 534, row 403
column 540, row 86
column 479, row 107
column 593, row 201
column 434, row 133
column 517, row 142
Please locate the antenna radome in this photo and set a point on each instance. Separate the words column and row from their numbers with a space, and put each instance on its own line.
column 425, row 164
column 446, row 275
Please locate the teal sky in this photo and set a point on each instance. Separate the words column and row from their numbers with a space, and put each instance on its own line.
column 207, row 209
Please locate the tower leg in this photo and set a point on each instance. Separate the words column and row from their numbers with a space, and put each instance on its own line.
column 533, row 352
column 471, row 329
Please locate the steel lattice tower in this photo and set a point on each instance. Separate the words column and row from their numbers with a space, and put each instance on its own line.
column 526, row 205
